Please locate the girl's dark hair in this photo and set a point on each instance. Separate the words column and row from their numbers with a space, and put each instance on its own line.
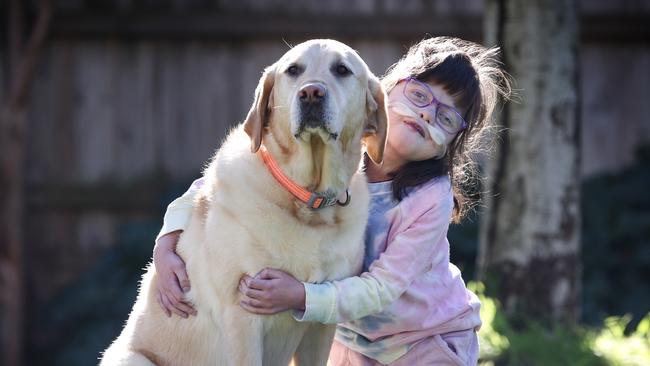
column 473, row 77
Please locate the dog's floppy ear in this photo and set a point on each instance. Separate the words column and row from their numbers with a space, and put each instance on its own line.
column 376, row 124
column 259, row 113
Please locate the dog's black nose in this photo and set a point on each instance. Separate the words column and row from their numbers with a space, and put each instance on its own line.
column 312, row 93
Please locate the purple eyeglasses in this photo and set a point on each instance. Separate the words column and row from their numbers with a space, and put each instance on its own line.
column 447, row 117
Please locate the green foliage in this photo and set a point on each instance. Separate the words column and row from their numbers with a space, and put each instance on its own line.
column 620, row 349
column 493, row 343
column 531, row 345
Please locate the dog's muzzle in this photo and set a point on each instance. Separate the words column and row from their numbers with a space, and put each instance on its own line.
column 313, row 116
column 311, row 99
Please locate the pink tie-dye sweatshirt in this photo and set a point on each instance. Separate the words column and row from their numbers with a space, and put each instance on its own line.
column 408, row 290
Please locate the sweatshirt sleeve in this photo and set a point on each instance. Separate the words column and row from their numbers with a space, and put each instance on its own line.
column 179, row 210
column 410, row 253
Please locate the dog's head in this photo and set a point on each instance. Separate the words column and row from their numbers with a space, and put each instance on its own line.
column 319, row 89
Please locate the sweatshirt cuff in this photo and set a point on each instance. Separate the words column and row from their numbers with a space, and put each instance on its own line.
column 320, row 302
column 174, row 220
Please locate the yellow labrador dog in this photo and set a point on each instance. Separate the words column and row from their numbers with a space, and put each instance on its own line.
column 314, row 109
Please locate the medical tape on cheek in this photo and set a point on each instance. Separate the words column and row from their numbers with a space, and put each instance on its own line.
column 402, row 109
column 436, row 135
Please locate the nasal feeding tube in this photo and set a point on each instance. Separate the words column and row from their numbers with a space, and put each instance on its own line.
column 402, row 109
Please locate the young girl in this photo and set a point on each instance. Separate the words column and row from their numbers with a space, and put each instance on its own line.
column 410, row 305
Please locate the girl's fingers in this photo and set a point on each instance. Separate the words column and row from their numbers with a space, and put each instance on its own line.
column 258, row 303
column 165, row 303
column 259, row 284
column 177, row 298
column 183, row 280
column 172, row 297
column 249, row 308
column 174, row 289
column 253, row 293
column 256, row 310
column 269, row 274
column 247, row 291
column 172, row 308
column 250, row 282
column 182, row 305
column 245, row 278
column 160, row 302
column 185, row 307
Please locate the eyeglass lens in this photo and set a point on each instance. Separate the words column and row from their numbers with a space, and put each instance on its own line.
column 418, row 94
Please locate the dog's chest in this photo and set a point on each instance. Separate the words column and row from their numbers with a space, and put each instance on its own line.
column 251, row 225
column 272, row 237
column 317, row 254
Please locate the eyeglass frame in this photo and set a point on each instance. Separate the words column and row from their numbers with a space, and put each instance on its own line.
column 435, row 101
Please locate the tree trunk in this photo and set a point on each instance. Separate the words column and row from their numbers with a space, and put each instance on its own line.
column 530, row 234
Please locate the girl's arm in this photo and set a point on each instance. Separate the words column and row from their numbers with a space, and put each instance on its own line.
column 411, row 253
column 170, row 268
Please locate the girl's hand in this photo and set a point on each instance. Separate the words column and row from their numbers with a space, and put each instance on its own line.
column 171, row 277
column 271, row 291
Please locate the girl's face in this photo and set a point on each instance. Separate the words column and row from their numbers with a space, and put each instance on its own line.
column 413, row 134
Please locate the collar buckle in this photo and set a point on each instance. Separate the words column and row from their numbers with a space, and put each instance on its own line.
column 319, row 200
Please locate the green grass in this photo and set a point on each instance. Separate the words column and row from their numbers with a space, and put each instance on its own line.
column 530, row 344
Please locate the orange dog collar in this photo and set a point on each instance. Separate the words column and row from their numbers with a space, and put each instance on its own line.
column 313, row 200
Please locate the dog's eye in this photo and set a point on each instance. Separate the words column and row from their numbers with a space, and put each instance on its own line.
column 342, row 70
column 293, row 70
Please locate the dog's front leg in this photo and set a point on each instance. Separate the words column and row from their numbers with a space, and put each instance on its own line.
column 242, row 336
column 315, row 345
